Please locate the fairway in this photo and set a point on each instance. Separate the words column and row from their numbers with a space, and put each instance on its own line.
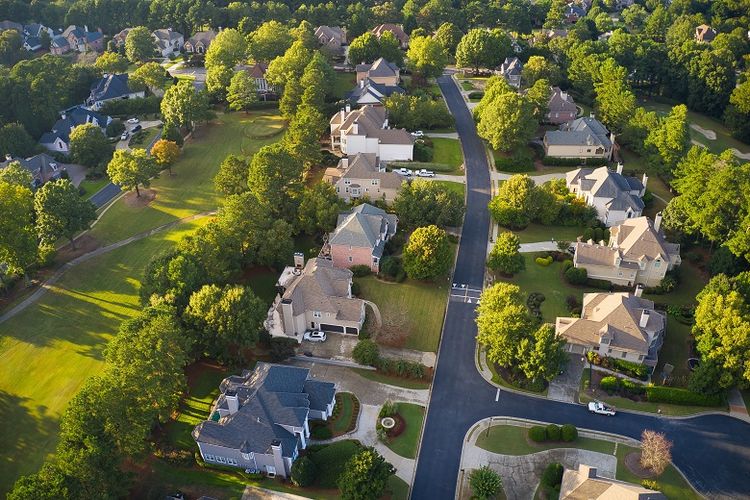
column 190, row 189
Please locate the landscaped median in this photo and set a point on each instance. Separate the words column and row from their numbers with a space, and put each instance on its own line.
column 402, row 435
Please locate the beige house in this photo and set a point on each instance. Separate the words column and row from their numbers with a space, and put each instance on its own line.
column 315, row 295
column 637, row 253
column 704, row 33
column 584, row 137
column 619, row 325
column 360, row 237
column 366, row 130
column 396, row 29
column 586, row 484
column 380, row 71
column 362, row 176
column 199, row 42
column 332, row 39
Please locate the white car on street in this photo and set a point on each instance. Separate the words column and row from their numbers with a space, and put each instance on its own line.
column 133, row 121
column 417, row 133
column 601, row 409
column 424, row 173
column 314, row 336
column 404, row 171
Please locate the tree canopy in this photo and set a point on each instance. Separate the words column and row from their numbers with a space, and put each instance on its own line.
column 61, row 212
column 428, row 254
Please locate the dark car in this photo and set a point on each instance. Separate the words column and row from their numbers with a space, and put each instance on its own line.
column 136, row 128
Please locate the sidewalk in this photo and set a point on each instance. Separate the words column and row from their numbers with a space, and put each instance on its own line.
column 737, row 406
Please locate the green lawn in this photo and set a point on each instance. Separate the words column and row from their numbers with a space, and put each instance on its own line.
column 692, row 281
column 675, row 351
column 143, row 138
column 90, row 187
column 190, row 189
column 537, row 232
column 344, row 417
column 512, row 440
column 398, row 488
column 53, row 346
column 343, row 83
column 406, row 443
column 332, row 459
column 447, row 152
column 467, row 85
column 412, row 310
column 382, row 378
column 671, row 482
column 453, row 186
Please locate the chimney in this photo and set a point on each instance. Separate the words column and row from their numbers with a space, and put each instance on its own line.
column 619, row 167
column 591, row 115
column 638, row 290
column 348, row 107
column 8, row 157
column 587, row 471
column 644, row 181
column 657, row 222
column 564, row 95
column 299, row 260
column 233, row 402
column 644, row 318
column 278, row 458
column 342, row 115
column 362, row 83
column 287, row 317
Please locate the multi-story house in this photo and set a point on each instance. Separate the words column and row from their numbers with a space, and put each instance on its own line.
column 360, row 237
column 614, row 196
column 363, row 176
column 366, row 130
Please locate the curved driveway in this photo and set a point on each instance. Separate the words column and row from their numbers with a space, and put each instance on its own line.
column 713, row 451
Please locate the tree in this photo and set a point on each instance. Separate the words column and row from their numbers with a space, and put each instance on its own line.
column 365, row 475
column 538, row 98
column 448, row 35
column 218, row 78
column 614, row 99
column 305, row 33
column 555, row 15
column 173, row 276
column 389, row 48
column 426, row 58
column 275, row 178
column 428, row 254
column 514, row 206
column 165, row 153
column 304, row 472
column 291, row 98
column 269, row 41
column 542, row 356
column 11, row 47
column 366, row 352
column 232, row 176
column 89, row 146
column 182, row 105
column 139, row 45
column 672, row 138
column 242, row 92
column 128, row 169
column 302, row 138
column 277, row 246
column 49, row 483
column 421, row 203
column 225, row 319
column 290, row 66
column 503, row 321
column 506, row 121
column 151, row 76
column 537, row 68
column 224, row 53
column 504, row 256
column 480, row 48
column 318, row 209
column 364, row 49
column 111, row 62
column 15, row 141
column 18, row 244
column 15, row 174
column 656, row 452
column 61, row 212
column 485, row 483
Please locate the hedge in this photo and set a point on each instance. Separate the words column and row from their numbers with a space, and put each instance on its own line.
column 610, row 384
column 677, row 396
column 360, row 270
column 514, row 165
column 552, row 475
column 576, row 276
column 573, row 162
column 553, row 432
column 544, row 261
column 629, row 368
column 568, row 433
column 538, row 433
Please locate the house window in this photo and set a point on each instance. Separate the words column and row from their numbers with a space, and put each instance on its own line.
column 209, row 458
column 609, row 351
column 640, row 358
column 347, row 182
column 374, row 182
column 221, row 460
column 231, row 461
column 350, row 258
column 317, row 314
column 624, row 354
column 657, row 263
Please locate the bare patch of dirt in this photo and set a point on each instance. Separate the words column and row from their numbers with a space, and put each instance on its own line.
column 84, row 245
column 633, row 463
column 134, row 201
column 395, row 329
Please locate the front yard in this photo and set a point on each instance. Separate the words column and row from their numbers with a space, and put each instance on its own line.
column 537, row 232
column 405, row 444
column 448, row 152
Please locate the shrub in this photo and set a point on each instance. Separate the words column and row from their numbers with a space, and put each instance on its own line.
column 484, row 482
column 629, row 368
column 632, row 388
column 477, row 94
column 282, row 348
column 303, row 472
column 544, row 261
column 573, row 162
column 388, row 409
column 568, row 433
column 534, row 303
column 115, row 128
column 360, row 270
column 610, row 384
column 172, row 133
column 677, row 396
column 515, row 164
column 321, row 433
column 356, row 289
column 650, row 484
column 423, row 152
column 552, row 475
column 567, row 264
column 574, row 305
column 600, row 284
column 553, row 432
column 366, row 352
column 576, row 276
column 538, row 433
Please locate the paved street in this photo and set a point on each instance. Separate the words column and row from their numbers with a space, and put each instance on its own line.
column 712, row 450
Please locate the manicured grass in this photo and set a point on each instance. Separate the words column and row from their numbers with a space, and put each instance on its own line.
column 453, row 186
column 537, row 232
column 90, row 187
column 447, row 151
column 53, row 346
column 513, row 440
column 671, row 482
column 398, row 488
column 467, row 85
column 344, row 417
column 675, row 351
column 382, row 378
column 332, row 459
column 190, row 189
column 414, row 308
column 143, row 140
column 406, row 443
column 692, row 280
column 343, row 83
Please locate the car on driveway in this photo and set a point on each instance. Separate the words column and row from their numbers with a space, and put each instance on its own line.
column 133, row 121
column 124, row 136
column 417, row 133
column 424, row 173
column 404, row 171
column 137, row 128
column 314, row 336
column 601, row 409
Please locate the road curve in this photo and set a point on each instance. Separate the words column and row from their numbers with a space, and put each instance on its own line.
column 713, row 451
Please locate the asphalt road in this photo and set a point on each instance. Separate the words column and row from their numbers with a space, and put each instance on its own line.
column 104, row 195
column 713, row 451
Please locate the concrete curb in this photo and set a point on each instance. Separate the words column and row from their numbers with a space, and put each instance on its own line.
column 333, row 362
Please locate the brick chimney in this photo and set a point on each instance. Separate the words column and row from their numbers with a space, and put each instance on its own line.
column 644, row 318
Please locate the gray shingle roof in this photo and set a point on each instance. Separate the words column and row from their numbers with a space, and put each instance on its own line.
column 110, row 87
column 363, row 227
column 604, row 183
column 585, row 131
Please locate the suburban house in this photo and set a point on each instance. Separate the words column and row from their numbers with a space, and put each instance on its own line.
column 119, row 38
column 199, row 42
column 380, row 71
column 58, row 139
column 32, row 36
column 369, row 92
column 614, row 196
column 561, row 107
column 365, row 130
column 362, row 175
column 637, row 253
column 315, row 295
column 583, row 137
column 510, row 69
column 43, row 167
column 83, row 40
column 573, row 12
column 258, row 72
column 704, row 33
column 396, row 29
column 585, row 483
column 59, row 45
column 111, row 88
column 360, row 237
column 260, row 421
column 168, row 41
column 619, row 325
column 332, row 39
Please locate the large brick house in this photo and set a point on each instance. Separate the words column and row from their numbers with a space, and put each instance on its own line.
column 360, row 237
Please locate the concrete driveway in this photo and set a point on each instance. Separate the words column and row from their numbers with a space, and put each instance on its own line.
column 565, row 386
column 340, row 346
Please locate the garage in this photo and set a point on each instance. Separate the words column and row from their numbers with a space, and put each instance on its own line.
column 331, row 328
column 352, row 331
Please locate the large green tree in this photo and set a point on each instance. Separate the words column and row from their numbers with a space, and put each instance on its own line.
column 364, row 49
column 422, row 203
column 506, row 121
column 111, row 62
column 232, row 175
column 224, row 53
column 542, row 355
column 242, row 92
column 18, row 243
column 671, row 138
column 614, row 99
column 129, row 169
column 151, row 76
column 275, row 178
column 139, row 45
column 15, row 174
column 505, row 257
column 89, row 146
column 15, row 141
column 426, row 58
column 480, row 48
column 318, row 209
column 365, row 475
column 269, row 41
column 428, row 254
column 61, row 212
column 183, row 106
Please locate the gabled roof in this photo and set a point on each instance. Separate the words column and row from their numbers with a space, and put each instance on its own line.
column 584, row 131
column 636, row 238
column 258, row 70
column 604, row 183
column 166, row 34
column 370, row 122
column 327, row 34
column 585, row 484
column 71, row 118
column 365, row 226
column 11, row 25
column 511, row 67
column 93, row 36
column 376, row 90
column 204, row 37
column 396, row 29
column 365, row 166
column 60, row 42
column 380, row 68
column 561, row 102
column 110, row 87
column 41, row 166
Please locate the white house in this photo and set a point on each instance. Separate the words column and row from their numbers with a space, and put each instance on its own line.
column 614, row 196
column 168, row 41
column 366, row 130
column 58, row 139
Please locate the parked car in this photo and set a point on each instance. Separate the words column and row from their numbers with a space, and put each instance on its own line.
column 404, row 171
column 601, row 409
column 417, row 133
column 424, row 173
column 314, row 336
column 133, row 120
column 124, row 136
column 572, row 249
column 137, row 128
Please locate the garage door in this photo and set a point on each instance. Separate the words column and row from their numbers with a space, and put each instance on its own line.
column 352, row 331
column 332, row 328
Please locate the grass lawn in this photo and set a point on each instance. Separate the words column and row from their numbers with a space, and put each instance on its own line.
column 671, row 482
column 344, row 417
column 143, row 140
column 398, row 488
column 467, row 85
column 53, row 346
column 343, row 83
column 190, row 189
column 692, row 280
column 331, row 460
column 406, row 383
column 406, row 443
column 447, row 151
column 453, row 186
column 537, row 232
column 412, row 310
column 676, row 351
column 90, row 187
column 513, row 440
